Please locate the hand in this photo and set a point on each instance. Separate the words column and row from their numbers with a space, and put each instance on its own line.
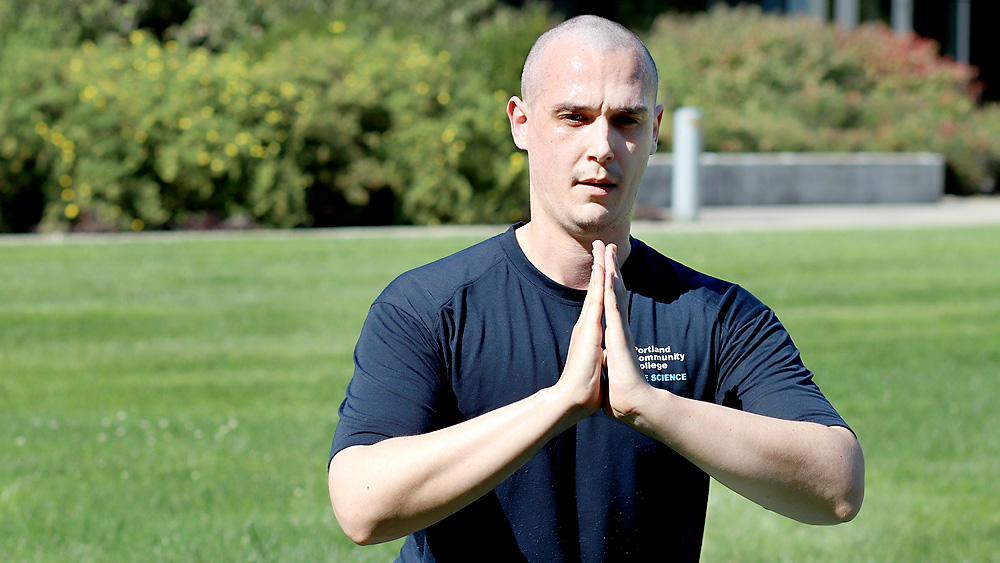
column 581, row 377
column 626, row 386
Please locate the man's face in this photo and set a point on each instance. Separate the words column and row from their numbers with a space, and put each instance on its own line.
column 589, row 129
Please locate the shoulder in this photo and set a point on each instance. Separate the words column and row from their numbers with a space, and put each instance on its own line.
column 666, row 279
column 432, row 285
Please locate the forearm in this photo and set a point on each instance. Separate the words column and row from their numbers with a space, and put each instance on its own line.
column 401, row 485
column 806, row 471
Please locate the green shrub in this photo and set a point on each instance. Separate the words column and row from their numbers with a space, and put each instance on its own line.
column 327, row 129
column 287, row 118
column 32, row 93
column 767, row 83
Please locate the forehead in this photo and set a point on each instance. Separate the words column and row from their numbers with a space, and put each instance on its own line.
column 574, row 73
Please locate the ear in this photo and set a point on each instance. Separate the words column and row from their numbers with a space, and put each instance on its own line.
column 658, row 111
column 517, row 114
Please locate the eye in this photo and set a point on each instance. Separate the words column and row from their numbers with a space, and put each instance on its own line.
column 574, row 117
column 626, row 120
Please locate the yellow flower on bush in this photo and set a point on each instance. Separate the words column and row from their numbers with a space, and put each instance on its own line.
column 88, row 93
column 516, row 162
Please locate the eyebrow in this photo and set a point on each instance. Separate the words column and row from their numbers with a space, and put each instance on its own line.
column 629, row 110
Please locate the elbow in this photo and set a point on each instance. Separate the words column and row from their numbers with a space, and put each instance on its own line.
column 355, row 530
column 851, row 492
column 355, row 522
column 355, row 517
column 848, row 506
column 352, row 522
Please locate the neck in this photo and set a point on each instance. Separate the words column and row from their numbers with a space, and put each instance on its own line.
column 564, row 257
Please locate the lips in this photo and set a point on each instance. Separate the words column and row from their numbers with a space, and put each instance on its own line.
column 600, row 183
column 597, row 186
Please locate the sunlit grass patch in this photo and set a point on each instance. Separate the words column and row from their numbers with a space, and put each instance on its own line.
column 176, row 400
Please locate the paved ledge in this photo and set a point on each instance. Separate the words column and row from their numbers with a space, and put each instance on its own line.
column 949, row 212
column 848, row 178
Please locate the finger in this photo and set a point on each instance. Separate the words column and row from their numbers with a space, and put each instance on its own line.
column 593, row 304
column 611, row 279
column 617, row 283
column 615, row 299
column 589, row 323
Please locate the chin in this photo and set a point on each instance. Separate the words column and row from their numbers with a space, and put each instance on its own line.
column 596, row 222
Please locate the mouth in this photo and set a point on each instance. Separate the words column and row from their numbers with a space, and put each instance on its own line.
column 597, row 185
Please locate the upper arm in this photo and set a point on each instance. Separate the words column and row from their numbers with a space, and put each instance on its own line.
column 761, row 369
column 396, row 387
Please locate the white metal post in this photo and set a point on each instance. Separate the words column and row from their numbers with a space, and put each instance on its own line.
column 847, row 13
column 963, row 23
column 817, row 9
column 684, row 172
column 902, row 16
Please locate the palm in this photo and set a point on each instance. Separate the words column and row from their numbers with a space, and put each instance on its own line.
column 625, row 379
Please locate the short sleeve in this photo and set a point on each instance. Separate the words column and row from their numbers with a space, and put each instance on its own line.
column 395, row 390
column 761, row 370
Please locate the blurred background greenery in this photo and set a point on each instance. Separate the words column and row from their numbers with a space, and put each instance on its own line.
column 176, row 114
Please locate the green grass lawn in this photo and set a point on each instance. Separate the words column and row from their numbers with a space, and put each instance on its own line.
column 170, row 399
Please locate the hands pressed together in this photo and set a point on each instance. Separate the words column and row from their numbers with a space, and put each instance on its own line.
column 807, row 471
column 625, row 387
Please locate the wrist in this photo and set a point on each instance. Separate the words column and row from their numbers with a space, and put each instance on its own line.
column 565, row 404
column 641, row 405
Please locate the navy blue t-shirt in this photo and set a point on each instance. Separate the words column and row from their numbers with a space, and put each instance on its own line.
column 484, row 328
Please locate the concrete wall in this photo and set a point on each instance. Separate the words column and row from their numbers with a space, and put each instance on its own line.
column 800, row 178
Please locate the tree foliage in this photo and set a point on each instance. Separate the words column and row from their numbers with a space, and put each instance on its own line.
column 134, row 114
column 335, row 125
column 767, row 83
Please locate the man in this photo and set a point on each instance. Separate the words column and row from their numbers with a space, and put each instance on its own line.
column 473, row 423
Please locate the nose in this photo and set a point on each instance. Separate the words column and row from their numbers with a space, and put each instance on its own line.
column 599, row 142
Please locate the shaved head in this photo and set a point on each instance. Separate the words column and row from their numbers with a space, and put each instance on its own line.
column 595, row 33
